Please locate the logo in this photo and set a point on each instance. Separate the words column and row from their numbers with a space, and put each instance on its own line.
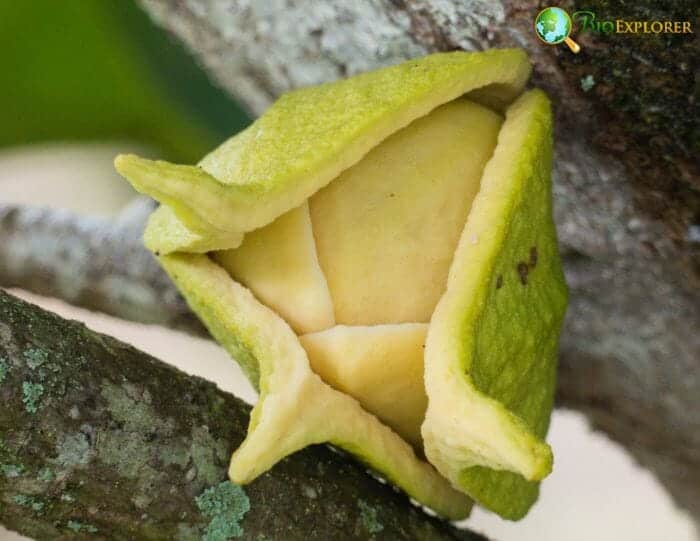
column 587, row 20
column 553, row 26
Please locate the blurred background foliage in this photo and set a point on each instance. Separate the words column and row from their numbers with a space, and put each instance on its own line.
column 86, row 70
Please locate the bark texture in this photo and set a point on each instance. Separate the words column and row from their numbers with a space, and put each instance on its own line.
column 96, row 263
column 99, row 440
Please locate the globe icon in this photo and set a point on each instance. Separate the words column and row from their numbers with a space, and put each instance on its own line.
column 553, row 25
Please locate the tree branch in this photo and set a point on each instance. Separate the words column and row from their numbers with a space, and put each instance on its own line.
column 99, row 438
column 632, row 367
column 96, row 263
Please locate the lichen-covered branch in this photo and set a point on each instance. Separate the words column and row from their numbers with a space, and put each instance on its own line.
column 92, row 262
column 99, row 440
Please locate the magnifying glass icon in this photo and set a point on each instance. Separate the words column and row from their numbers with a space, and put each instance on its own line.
column 553, row 26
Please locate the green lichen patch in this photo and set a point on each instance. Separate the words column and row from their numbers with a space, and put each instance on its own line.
column 309, row 492
column 130, row 448
column 206, row 455
column 224, row 505
column 31, row 395
column 11, row 470
column 35, row 357
column 35, row 504
column 177, row 455
column 369, row 517
column 130, row 453
column 4, row 369
column 142, row 500
column 132, row 408
column 78, row 527
column 74, row 450
column 587, row 82
column 143, row 445
column 45, row 474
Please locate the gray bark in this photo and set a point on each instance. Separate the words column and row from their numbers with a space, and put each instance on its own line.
column 96, row 263
column 99, row 440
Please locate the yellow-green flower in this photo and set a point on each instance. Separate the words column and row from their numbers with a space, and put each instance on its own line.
column 379, row 255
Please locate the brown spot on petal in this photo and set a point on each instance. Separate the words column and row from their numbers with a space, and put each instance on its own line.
column 499, row 281
column 522, row 271
column 533, row 256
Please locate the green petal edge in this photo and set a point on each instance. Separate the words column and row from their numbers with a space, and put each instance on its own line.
column 304, row 140
column 165, row 234
column 491, row 351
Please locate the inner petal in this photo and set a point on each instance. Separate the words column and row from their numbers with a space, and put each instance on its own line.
column 278, row 263
column 381, row 366
column 386, row 229
column 371, row 252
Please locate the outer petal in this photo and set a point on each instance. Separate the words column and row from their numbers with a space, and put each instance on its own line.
column 165, row 233
column 295, row 407
column 491, row 350
column 309, row 136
